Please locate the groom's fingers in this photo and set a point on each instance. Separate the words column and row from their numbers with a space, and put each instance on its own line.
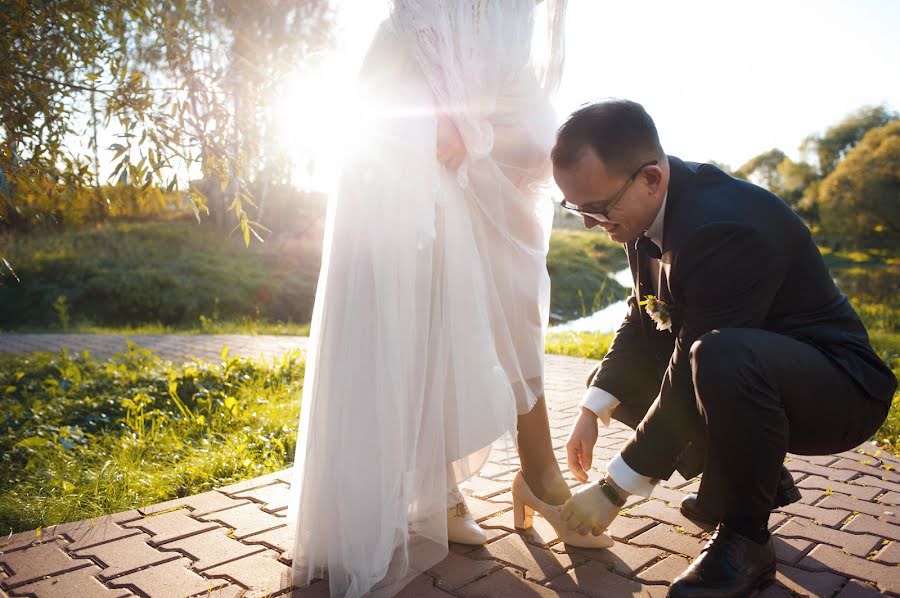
column 587, row 455
column 574, row 452
column 574, row 460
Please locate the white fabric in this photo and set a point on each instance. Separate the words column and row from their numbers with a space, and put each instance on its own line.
column 433, row 298
column 628, row 479
column 600, row 402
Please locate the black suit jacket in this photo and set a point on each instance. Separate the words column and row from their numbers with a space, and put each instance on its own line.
column 734, row 256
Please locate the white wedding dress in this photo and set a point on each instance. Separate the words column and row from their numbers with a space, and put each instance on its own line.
column 432, row 303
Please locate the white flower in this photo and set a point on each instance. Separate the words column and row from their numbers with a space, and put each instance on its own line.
column 658, row 312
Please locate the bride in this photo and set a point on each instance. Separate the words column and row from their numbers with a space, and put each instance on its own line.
column 427, row 332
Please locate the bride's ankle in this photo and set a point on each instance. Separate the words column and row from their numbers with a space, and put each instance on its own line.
column 548, row 485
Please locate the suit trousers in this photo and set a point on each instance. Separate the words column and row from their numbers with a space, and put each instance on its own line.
column 759, row 395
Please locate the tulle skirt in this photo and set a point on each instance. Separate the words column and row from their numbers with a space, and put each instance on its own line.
column 427, row 333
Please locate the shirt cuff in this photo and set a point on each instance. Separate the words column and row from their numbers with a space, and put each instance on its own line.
column 628, row 479
column 600, row 402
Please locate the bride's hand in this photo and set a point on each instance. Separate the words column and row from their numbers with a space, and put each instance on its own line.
column 451, row 151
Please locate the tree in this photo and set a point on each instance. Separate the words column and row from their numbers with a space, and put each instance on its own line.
column 763, row 170
column 861, row 197
column 183, row 79
column 834, row 144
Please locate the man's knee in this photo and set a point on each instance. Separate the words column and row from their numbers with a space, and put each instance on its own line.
column 718, row 359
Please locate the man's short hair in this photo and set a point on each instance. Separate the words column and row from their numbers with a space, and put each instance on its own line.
column 620, row 132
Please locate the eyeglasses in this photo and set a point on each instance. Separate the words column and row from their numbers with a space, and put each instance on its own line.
column 602, row 214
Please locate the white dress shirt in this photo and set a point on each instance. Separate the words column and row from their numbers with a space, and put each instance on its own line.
column 602, row 403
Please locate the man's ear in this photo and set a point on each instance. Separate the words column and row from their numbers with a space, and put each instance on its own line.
column 653, row 175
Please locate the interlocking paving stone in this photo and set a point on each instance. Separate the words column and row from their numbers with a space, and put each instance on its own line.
column 80, row 582
column 594, row 579
column 842, row 475
column 30, row 564
column 659, row 511
column 775, row 591
column 839, row 501
column 199, row 504
column 280, row 538
column 668, row 495
column 823, row 460
column 858, row 544
column 251, row 484
column 665, row 570
column 811, row 583
column 875, row 482
column 482, row 509
column 625, row 527
column 825, row 557
column 542, row 533
column 172, row 579
column 505, row 582
column 790, row 550
column 421, row 587
column 624, row 559
column 888, row 475
column 854, row 489
column 211, row 549
column 889, row 554
column 480, row 487
column 890, row 498
column 125, row 555
column 856, row 589
column 245, row 520
column 261, row 573
column 456, row 571
column 273, row 496
column 866, row 524
column 173, row 525
column 98, row 530
column 829, row 517
column 539, row 564
column 668, row 538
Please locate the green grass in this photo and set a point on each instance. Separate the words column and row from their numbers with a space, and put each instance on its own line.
column 580, row 263
column 176, row 275
column 205, row 326
column 588, row 345
column 81, row 437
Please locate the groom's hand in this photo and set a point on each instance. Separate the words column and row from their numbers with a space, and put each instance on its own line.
column 589, row 510
column 580, row 447
column 451, row 151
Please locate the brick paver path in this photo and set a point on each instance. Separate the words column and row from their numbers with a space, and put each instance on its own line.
column 842, row 539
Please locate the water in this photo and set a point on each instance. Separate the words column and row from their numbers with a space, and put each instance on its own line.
column 607, row 319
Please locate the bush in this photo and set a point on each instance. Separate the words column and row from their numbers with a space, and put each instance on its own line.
column 580, row 264
column 170, row 273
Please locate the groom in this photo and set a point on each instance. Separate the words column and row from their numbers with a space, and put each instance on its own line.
column 745, row 351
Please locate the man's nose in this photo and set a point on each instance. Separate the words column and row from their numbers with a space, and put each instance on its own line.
column 590, row 222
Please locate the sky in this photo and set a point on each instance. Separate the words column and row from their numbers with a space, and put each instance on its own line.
column 724, row 81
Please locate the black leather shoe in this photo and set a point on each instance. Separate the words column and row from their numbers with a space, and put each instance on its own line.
column 693, row 509
column 729, row 565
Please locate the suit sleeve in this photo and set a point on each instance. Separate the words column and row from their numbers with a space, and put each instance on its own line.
column 725, row 276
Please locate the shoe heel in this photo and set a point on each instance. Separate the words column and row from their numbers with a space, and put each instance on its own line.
column 523, row 515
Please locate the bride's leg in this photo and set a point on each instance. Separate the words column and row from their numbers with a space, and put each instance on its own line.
column 539, row 466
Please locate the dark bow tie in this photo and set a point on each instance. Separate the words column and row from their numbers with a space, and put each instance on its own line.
column 644, row 245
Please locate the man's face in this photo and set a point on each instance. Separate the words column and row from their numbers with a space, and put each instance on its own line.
column 588, row 185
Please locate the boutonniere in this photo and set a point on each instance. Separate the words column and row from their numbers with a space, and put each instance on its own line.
column 658, row 312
